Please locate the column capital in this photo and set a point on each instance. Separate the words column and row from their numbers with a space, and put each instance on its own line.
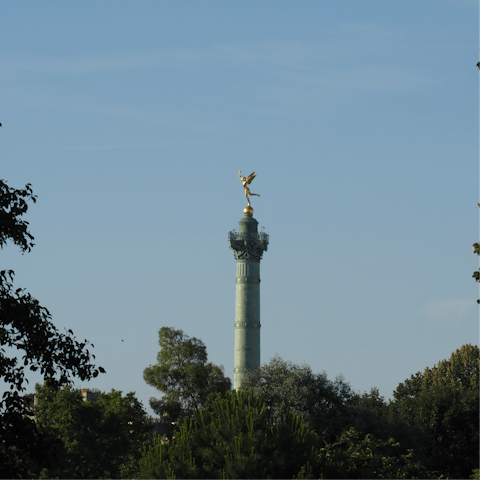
column 247, row 244
column 250, row 249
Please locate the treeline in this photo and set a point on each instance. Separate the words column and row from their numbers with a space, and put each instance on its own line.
column 289, row 422
column 285, row 422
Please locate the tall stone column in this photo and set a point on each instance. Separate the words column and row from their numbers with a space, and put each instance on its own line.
column 248, row 246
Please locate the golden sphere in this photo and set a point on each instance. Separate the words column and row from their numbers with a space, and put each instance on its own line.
column 248, row 211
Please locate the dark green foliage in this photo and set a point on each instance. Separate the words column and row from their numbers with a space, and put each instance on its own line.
column 372, row 401
column 236, row 438
column 318, row 401
column 97, row 439
column 370, row 414
column 356, row 456
column 233, row 439
column 13, row 204
column 349, row 422
column 25, row 325
column 183, row 374
column 26, row 328
column 444, row 402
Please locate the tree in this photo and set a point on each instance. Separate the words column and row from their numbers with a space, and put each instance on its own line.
column 183, row 374
column 26, row 326
column 233, row 439
column 99, row 439
column 318, row 401
column 476, row 273
column 444, row 402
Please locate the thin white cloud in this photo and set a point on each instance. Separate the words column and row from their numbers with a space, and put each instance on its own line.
column 449, row 309
column 320, row 63
column 287, row 78
column 107, row 147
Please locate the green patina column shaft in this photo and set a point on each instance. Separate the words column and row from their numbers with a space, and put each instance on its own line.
column 248, row 246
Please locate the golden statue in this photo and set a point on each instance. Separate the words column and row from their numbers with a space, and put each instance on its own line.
column 247, row 181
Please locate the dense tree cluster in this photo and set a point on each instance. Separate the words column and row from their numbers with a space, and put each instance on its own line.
column 429, row 429
column 236, row 437
column 94, row 439
column 444, row 402
column 233, row 438
column 329, row 407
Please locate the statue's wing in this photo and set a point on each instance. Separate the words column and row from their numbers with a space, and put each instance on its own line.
column 250, row 178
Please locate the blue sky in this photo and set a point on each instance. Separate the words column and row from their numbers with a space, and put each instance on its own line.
column 131, row 121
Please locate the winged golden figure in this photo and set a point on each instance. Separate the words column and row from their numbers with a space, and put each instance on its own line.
column 247, row 181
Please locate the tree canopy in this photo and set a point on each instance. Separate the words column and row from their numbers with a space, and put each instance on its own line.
column 235, row 437
column 255, row 432
column 444, row 402
column 370, row 414
column 232, row 439
column 100, row 439
column 318, row 401
column 185, row 377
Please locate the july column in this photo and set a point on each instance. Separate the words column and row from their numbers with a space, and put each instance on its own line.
column 248, row 247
